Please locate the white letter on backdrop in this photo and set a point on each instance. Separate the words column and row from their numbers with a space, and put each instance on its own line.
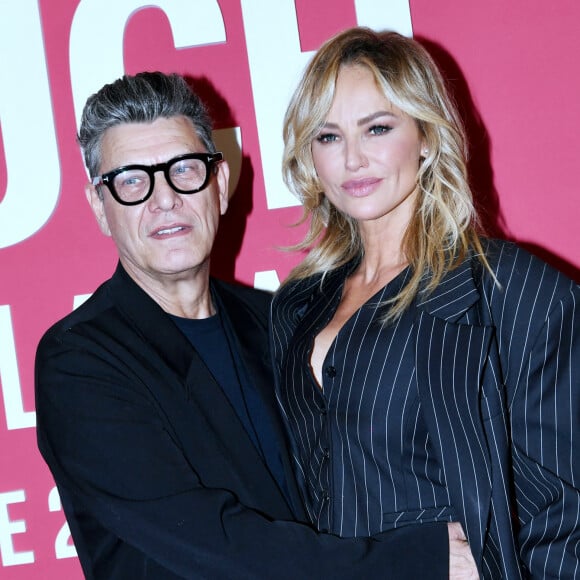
column 193, row 23
column 392, row 15
column 275, row 66
column 267, row 280
column 16, row 416
column 8, row 528
column 27, row 125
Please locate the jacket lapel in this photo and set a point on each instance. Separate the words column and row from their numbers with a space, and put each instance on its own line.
column 153, row 325
column 254, row 349
column 247, row 470
column 450, row 361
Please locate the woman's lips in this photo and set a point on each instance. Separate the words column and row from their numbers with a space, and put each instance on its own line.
column 361, row 187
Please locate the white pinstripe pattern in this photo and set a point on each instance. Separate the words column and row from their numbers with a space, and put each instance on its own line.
column 496, row 432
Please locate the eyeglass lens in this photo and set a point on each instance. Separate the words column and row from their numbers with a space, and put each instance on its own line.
column 184, row 175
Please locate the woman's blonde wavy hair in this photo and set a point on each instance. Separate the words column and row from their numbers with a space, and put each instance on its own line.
column 444, row 226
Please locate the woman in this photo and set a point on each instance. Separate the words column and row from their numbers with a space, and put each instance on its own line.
column 425, row 372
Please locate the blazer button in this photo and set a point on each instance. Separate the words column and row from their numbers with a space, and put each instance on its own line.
column 330, row 372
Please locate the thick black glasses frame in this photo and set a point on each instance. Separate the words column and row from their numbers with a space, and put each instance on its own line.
column 209, row 159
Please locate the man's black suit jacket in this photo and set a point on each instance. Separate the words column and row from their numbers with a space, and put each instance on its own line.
column 158, row 477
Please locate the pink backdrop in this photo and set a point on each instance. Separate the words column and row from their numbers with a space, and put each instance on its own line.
column 513, row 67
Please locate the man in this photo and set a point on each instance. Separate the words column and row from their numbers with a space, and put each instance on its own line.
column 156, row 412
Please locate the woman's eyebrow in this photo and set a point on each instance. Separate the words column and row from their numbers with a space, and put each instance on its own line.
column 374, row 116
column 363, row 121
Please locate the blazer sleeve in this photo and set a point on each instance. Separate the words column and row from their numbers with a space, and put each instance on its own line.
column 118, row 462
column 545, row 413
column 536, row 313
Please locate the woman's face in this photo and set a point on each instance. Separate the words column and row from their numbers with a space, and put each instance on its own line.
column 367, row 153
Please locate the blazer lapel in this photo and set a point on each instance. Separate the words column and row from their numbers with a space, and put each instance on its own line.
column 254, row 349
column 247, row 470
column 450, row 361
column 153, row 325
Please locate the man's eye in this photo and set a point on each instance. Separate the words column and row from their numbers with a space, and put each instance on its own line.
column 131, row 180
column 192, row 167
column 181, row 169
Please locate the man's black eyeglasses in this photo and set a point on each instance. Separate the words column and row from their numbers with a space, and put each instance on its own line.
column 134, row 184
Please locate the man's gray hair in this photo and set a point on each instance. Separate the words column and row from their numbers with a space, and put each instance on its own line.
column 141, row 98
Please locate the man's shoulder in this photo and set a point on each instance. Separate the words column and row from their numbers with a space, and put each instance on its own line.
column 98, row 303
column 252, row 297
column 237, row 298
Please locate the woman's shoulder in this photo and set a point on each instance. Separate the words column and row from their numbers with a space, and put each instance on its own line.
column 303, row 288
column 295, row 288
column 293, row 297
column 518, row 271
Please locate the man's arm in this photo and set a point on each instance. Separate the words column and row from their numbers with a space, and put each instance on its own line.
column 461, row 562
column 109, row 448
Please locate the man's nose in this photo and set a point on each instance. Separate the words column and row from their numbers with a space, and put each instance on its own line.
column 164, row 196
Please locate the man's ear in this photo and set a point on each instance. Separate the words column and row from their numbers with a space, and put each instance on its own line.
column 98, row 206
column 223, row 178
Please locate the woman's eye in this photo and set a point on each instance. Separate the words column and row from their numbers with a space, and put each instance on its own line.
column 379, row 129
column 326, row 138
